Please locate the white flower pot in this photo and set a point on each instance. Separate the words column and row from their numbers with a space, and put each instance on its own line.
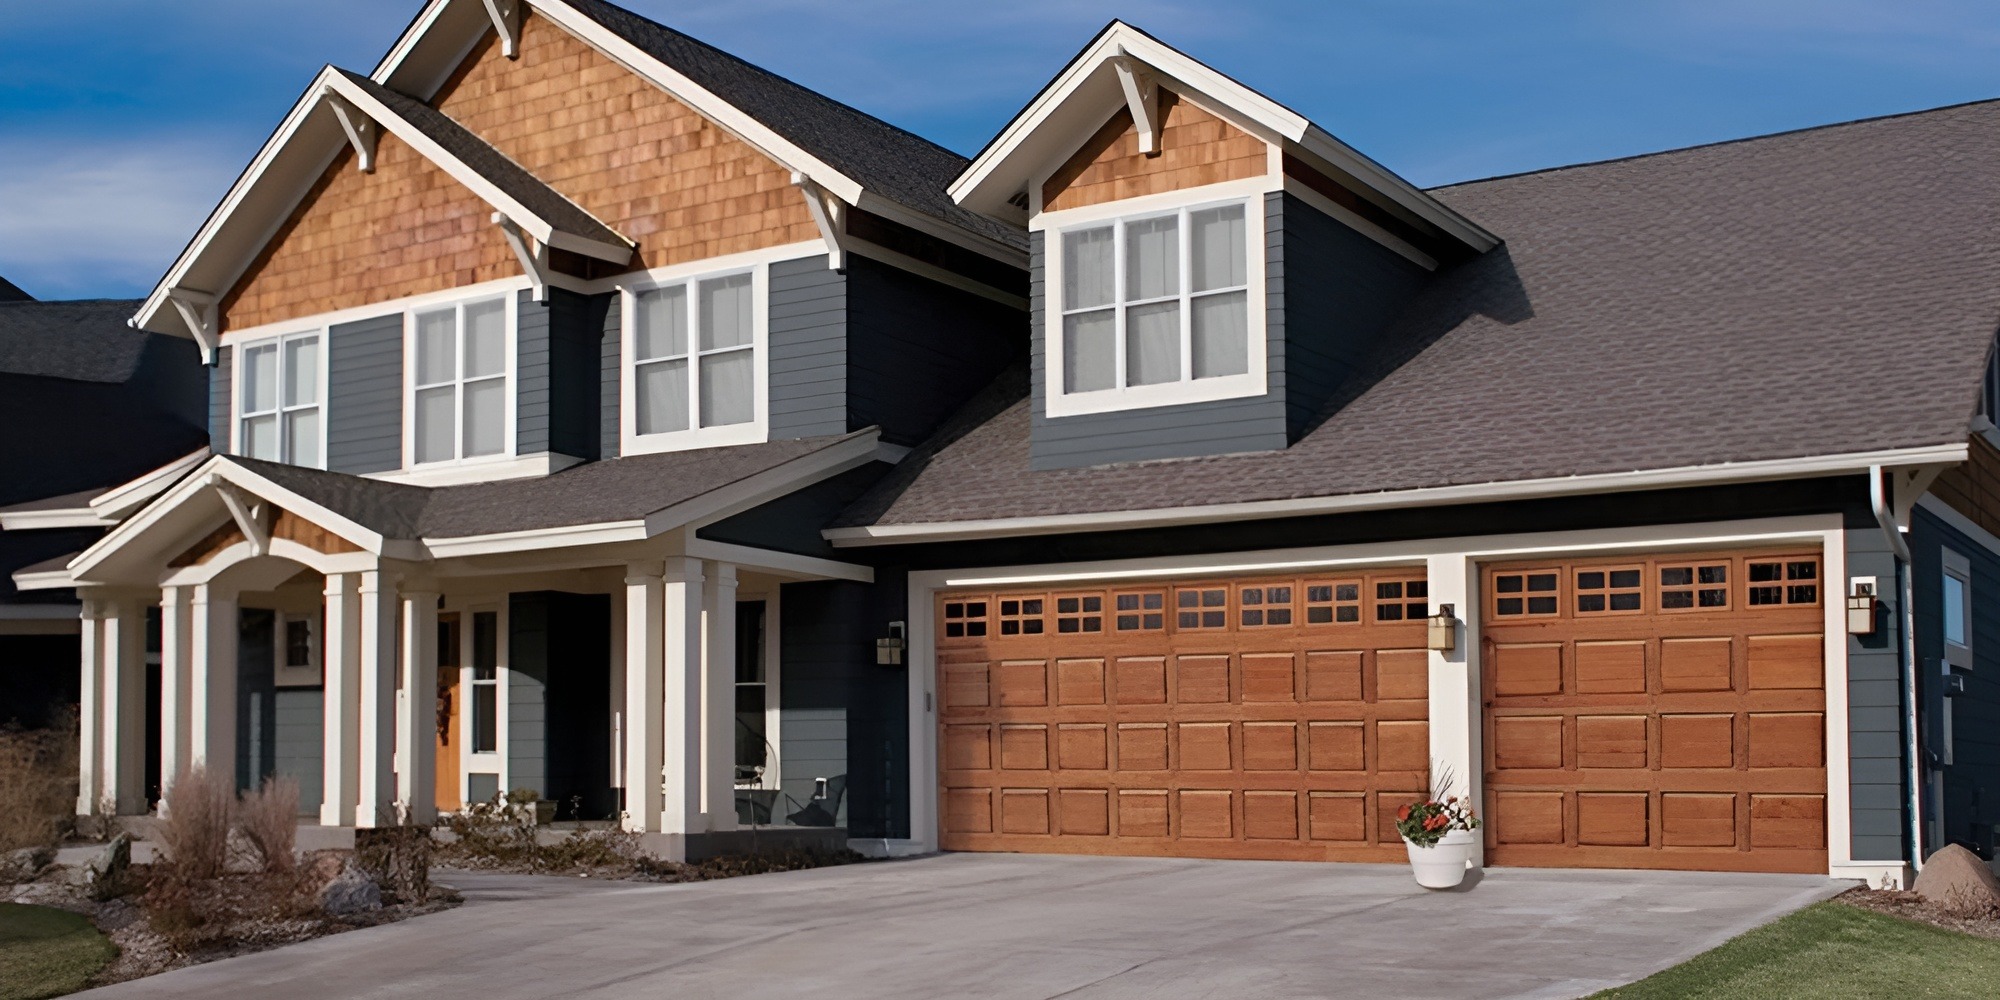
column 1443, row 866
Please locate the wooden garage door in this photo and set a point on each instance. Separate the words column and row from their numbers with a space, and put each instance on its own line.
column 1660, row 712
column 1236, row 718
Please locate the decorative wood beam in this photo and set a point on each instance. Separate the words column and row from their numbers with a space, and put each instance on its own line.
column 829, row 213
column 1142, row 98
column 534, row 261
column 362, row 131
column 198, row 310
column 252, row 516
column 506, row 15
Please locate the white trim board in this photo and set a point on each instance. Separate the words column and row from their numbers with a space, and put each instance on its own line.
column 115, row 503
column 1615, row 482
column 53, row 517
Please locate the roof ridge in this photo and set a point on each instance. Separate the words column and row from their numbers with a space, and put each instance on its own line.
column 1607, row 161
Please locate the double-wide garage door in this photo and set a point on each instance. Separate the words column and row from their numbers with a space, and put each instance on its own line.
column 1244, row 718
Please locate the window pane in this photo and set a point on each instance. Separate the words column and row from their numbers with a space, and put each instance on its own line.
column 1221, row 335
column 1152, row 258
column 727, row 397
column 660, row 322
column 437, row 347
column 1153, row 343
column 1087, row 264
column 485, row 338
column 725, row 312
column 1954, row 611
column 485, row 417
column 1218, row 258
column 661, row 391
column 302, row 437
column 436, row 427
column 485, row 718
column 485, row 645
column 1090, row 352
column 260, row 438
column 302, row 371
column 260, row 378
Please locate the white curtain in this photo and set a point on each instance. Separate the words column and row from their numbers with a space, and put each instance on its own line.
column 727, row 390
column 1221, row 332
column 1153, row 343
column 437, row 346
column 1152, row 258
column 1217, row 258
column 725, row 312
column 485, row 338
column 436, row 429
column 659, row 323
column 661, row 392
column 1087, row 269
column 1090, row 351
column 485, row 417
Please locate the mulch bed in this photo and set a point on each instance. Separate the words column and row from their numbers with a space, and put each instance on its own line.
column 1978, row 921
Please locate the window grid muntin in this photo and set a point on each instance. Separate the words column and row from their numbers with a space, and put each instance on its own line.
column 1781, row 581
column 1139, row 610
column 282, row 409
column 1527, row 593
column 1694, row 584
column 1266, row 605
column 1399, row 599
column 458, row 382
column 1333, row 602
column 1608, row 589
column 1201, row 608
column 965, row 617
column 1022, row 615
column 1079, row 614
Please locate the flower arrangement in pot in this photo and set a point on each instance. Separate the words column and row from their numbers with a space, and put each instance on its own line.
column 1437, row 831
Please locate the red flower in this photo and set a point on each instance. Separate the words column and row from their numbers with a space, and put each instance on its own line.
column 1403, row 813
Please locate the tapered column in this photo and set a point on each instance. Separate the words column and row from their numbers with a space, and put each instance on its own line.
column 90, row 710
column 340, row 652
column 174, row 680
column 645, row 696
column 718, row 698
column 416, row 722
column 122, row 705
column 212, row 682
column 680, row 723
column 377, row 665
column 1455, row 711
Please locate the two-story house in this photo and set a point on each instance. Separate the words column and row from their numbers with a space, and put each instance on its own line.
column 598, row 414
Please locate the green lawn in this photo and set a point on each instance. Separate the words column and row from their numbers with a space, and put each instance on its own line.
column 47, row 953
column 1833, row 950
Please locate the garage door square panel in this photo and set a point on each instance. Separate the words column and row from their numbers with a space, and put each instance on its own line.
column 1612, row 819
column 1333, row 675
column 1082, row 747
column 1695, row 819
column 968, row 810
column 1695, row 664
column 1528, row 742
column 1611, row 667
column 1201, row 680
column 1204, row 746
column 1204, row 814
column 1338, row 816
column 1142, row 746
column 1402, row 674
column 1697, row 741
column 1024, row 683
column 1269, row 815
column 1142, row 681
column 1024, row 810
column 1024, row 748
column 965, row 686
column 1528, row 818
column 1527, row 669
column 1611, row 741
column 1267, row 677
column 1142, row 813
column 1787, row 739
column 1086, row 812
column 1795, row 822
column 1787, row 662
column 968, row 748
column 1270, row 746
column 1403, row 746
column 1335, row 746
column 1079, row 682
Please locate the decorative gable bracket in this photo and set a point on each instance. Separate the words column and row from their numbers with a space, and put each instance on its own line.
column 506, row 15
column 534, row 260
column 1142, row 98
column 252, row 515
column 829, row 213
column 198, row 310
column 362, row 131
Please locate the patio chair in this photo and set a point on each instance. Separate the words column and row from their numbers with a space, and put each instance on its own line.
column 821, row 811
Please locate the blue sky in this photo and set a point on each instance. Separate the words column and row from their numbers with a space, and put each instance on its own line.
column 122, row 122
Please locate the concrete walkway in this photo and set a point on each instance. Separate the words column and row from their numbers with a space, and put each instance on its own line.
column 1025, row 926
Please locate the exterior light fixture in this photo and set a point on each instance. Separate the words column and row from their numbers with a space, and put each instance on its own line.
column 1444, row 630
column 889, row 651
column 1861, row 606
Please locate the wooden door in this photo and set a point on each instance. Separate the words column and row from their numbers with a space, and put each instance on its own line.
column 1657, row 712
column 448, row 794
column 1271, row 717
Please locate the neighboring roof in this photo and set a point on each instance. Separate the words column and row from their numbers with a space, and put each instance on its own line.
column 509, row 178
column 1831, row 291
column 621, row 489
column 10, row 292
column 894, row 163
column 84, row 340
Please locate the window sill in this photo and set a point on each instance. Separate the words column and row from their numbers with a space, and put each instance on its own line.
column 481, row 470
column 754, row 432
column 1207, row 390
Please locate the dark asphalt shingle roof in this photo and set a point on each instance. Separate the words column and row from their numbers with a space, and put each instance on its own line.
column 619, row 489
column 10, row 292
column 546, row 202
column 898, row 165
column 1821, row 292
column 84, row 340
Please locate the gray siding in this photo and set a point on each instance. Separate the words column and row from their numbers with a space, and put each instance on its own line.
column 917, row 349
column 1971, row 805
column 531, row 375
column 808, row 338
column 527, row 680
column 559, row 700
column 576, row 333
column 300, row 729
column 1875, row 707
column 364, row 417
column 607, row 381
column 814, row 746
column 218, row 401
column 278, row 730
column 841, row 714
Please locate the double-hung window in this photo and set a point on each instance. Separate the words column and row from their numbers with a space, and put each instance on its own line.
column 1956, row 607
column 460, row 402
column 278, row 400
column 693, row 372
column 1156, row 309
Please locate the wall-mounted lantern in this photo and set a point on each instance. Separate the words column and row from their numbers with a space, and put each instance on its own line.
column 1444, row 630
column 889, row 651
column 1861, row 606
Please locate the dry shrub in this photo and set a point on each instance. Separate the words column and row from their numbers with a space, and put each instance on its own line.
column 38, row 770
column 269, row 819
column 194, row 833
column 398, row 858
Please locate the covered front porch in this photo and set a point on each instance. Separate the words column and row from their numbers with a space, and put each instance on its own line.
column 630, row 672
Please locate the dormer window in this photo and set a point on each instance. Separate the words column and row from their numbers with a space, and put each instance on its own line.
column 694, row 362
column 461, row 361
column 1155, row 309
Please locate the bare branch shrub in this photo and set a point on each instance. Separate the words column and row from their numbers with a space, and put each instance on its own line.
column 38, row 770
column 194, row 833
column 269, row 819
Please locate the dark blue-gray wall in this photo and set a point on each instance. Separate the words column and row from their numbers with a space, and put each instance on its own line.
column 218, row 400
column 1971, row 782
column 558, row 371
column 808, row 327
column 278, row 729
column 364, row 395
column 1876, row 737
column 842, row 715
column 559, row 700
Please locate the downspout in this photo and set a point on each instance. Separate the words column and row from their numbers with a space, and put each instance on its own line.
column 1878, row 498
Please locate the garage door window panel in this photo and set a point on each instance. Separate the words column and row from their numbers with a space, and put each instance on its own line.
column 1610, row 590
column 1532, row 593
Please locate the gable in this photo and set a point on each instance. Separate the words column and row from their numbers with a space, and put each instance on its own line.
column 1196, row 148
column 356, row 238
column 647, row 165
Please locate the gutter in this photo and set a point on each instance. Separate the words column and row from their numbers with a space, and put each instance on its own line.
column 1879, row 500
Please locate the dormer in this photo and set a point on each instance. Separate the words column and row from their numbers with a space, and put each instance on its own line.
column 1207, row 265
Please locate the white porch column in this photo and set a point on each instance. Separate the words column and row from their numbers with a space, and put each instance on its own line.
column 645, row 695
column 212, row 681
column 718, row 697
column 90, row 708
column 122, row 706
column 680, row 722
column 1455, row 708
column 340, row 652
column 174, row 679
column 416, row 722
column 377, row 703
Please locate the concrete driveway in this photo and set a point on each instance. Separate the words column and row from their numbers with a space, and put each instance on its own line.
column 1026, row 926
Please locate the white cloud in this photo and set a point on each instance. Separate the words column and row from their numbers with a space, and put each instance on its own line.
column 96, row 217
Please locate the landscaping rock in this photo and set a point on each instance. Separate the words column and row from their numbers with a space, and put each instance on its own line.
column 23, row 865
column 1956, row 878
column 351, row 891
column 111, row 865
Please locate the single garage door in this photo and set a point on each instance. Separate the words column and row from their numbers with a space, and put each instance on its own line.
column 1235, row 718
column 1662, row 712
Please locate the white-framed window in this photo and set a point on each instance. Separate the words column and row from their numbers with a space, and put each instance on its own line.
column 1156, row 308
column 280, row 382
column 1956, row 609
column 295, row 650
column 459, row 392
column 483, row 721
column 694, row 361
